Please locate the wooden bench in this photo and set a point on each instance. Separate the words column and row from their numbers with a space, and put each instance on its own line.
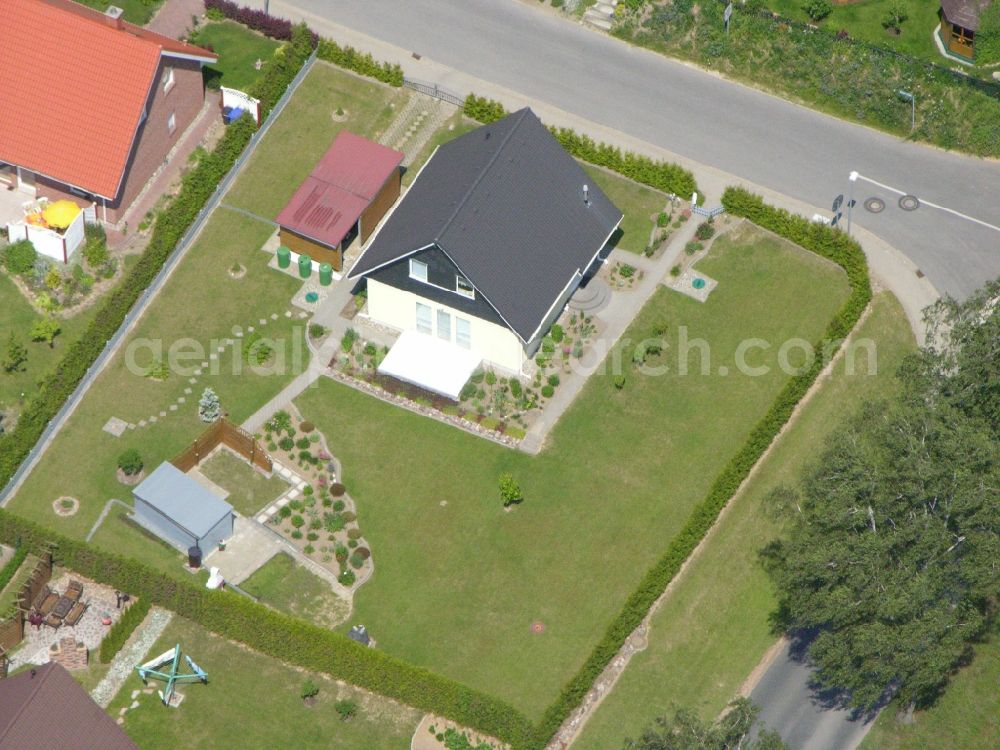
column 75, row 614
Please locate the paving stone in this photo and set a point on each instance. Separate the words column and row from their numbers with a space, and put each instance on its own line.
column 173, row 407
column 131, row 426
column 152, row 419
column 263, row 321
column 288, row 313
column 204, row 365
column 187, row 391
column 293, row 494
column 192, row 381
column 262, row 518
column 283, row 502
column 115, row 426
column 274, row 316
column 142, row 422
column 181, row 399
column 120, row 720
column 213, row 355
column 197, row 372
column 249, row 329
column 303, row 314
column 163, row 414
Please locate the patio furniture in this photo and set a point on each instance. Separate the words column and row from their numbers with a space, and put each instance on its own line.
column 36, row 619
column 54, row 621
column 75, row 614
column 40, row 599
column 74, row 591
column 51, row 599
column 63, row 606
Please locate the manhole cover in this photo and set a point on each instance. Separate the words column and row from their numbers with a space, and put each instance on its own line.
column 875, row 205
column 909, row 203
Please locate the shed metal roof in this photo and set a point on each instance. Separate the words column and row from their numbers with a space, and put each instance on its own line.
column 183, row 500
column 340, row 187
column 506, row 203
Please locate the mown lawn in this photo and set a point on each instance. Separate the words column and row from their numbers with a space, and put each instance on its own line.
column 199, row 308
column 17, row 316
column 713, row 629
column 136, row 11
column 966, row 717
column 253, row 701
column 459, row 582
column 249, row 490
column 863, row 20
column 305, row 131
column 284, row 584
column 238, row 49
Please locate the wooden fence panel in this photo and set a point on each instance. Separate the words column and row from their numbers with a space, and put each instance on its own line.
column 224, row 432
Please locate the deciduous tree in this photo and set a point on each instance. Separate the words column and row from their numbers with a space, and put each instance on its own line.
column 685, row 731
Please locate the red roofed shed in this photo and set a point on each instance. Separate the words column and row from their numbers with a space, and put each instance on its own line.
column 346, row 195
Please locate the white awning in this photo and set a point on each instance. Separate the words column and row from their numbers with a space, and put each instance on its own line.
column 429, row 362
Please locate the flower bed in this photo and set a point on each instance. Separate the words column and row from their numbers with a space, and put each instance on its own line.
column 322, row 520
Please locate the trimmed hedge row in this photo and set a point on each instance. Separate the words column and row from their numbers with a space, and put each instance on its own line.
column 824, row 241
column 660, row 175
column 171, row 224
column 280, row 28
column 281, row 636
column 131, row 619
column 8, row 570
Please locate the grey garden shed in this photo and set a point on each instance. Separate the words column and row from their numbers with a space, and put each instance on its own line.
column 181, row 511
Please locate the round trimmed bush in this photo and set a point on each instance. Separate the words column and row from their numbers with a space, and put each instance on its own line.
column 302, row 443
column 548, row 391
column 337, row 489
column 348, row 515
column 286, row 443
column 307, row 426
column 130, row 462
column 308, row 490
column 298, row 521
column 284, row 511
column 363, row 552
column 338, row 505
column 296, row 534
column 312, row 536
column 354, row 533
column 352, row 543
column 356, row 561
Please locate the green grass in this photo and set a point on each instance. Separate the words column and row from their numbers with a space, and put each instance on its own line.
column 863, row 20
column 238, row 49
column 305, row 131
column 252, row 701
column 458, row 124
column 249, row 490
column 136, row 11
column 638, row 203
column 284, row 584
column 17, row 315
column 966, row 717
column 9, row 591
column 621, row 473
column 713, row 629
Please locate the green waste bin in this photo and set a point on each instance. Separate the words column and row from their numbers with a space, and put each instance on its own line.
column 305, row 266
column 325, row 274
column 284, row 257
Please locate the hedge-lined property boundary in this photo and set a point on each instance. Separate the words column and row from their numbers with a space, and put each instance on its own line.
column 281, row 29
column 131, row 619
column 824, row 241
column 659, row 175
column 279, row 635
column 8, row 570
column 196, row 188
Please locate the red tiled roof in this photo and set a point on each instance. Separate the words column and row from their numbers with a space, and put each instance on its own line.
column 73, row 90
column 340, row 188
column 46, row 708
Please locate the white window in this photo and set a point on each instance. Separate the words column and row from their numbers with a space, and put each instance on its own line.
column 463, row 287
column 418, row 270
column 463, row 333
column 171, row 123
column 168, row 80
column 423, row 317
column 444, row 325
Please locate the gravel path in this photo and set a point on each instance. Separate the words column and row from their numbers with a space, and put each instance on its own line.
column 133, row 653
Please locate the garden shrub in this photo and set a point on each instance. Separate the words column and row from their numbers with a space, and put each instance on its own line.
column 515, row 388
column 354, row 533
column 7, row 571
column 548, row 391
column 121, row 630
column 468, row 391
column 197, row 186
column 298, row 521
column 286, row 444
column 988, row 35
column 349, row 516
column 355, row 561
column 705, row 231
column 302, row 443
column 308, row 490
column 309, row 690
column 619, row 382
column 19, row 257
column 557, row 333
column 312, row 536
column 817, row 10
column 337, row 489
column 553, row 380
column 130, row 462
column 693, row 247
column 491, row 377
column 826, row 241
column 345, row 708
column 348, row 578
column 296, row 534
column 489, row 423
column 307, row 426
column 347, row 343
column 284, row 511
column 338, row 505
column 363, row 552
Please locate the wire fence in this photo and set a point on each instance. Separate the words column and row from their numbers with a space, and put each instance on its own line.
column 432, row 89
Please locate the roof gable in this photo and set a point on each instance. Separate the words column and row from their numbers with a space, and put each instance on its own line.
column 73, row 91
column 506, row 203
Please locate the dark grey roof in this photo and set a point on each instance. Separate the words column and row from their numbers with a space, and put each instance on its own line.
column 964, row 12
column 182, row 500
column 45, row 707
column 506, row 203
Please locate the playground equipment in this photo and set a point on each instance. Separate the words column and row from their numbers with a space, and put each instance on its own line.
column 173, row 676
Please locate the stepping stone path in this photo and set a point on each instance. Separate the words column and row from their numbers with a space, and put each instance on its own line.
column 115, row 426
column 135, row 651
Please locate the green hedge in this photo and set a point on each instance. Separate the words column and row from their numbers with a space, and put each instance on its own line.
column 171, row 224
column 121, row 630
column 660, row 175
column 8, row 570
column 279, row 635
column 825, row 241
column 360, row 62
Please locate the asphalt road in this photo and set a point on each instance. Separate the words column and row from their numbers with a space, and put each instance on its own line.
column 803, row 718
column 781, row 146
